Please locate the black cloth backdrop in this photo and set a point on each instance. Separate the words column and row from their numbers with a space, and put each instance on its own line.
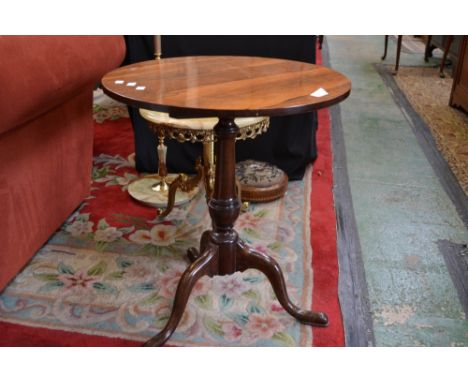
column 289, row 143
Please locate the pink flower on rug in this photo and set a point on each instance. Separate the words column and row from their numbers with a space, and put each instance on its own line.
column 80, row 227
column 170, row 279
column 108, row 235
column 276, row 307
column 230, row 285
column 141, row 236
column 202, row 286
column 263, row 326
column 80, row 280
column 232, row 332
column 161, row 235
column 168, row 283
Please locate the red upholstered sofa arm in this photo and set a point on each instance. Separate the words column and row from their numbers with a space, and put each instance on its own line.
column 38, row 72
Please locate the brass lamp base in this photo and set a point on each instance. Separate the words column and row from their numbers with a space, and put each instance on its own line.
column 150, row 191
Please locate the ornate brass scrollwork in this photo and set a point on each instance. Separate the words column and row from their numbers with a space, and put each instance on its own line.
column 205, row 171
column 184, row 183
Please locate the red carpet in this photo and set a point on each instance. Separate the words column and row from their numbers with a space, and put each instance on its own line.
column 323, row 228
column 323, row 241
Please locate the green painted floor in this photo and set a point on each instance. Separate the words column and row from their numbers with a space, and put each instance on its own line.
column 400, row 207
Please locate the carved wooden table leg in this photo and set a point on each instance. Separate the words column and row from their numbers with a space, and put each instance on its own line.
column 194, row 253
column 204, row 265
column 224, row 206
column 217, row 247
column 221, row 250
column 249, row 258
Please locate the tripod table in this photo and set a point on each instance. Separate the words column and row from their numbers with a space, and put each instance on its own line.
column 227, row 87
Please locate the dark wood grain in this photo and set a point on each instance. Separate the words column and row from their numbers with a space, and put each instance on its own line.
column 224, row 206
column 227, row 86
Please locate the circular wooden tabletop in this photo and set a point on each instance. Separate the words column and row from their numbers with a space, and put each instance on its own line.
column 226, row 86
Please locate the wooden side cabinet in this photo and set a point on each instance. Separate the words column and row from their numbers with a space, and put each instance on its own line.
column 459, row 95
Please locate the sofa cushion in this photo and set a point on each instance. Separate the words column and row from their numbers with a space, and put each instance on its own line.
column 41, row 184
column 38, row 72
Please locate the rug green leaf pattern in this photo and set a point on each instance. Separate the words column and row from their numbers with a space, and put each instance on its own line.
column 284, row 338
column 98, row 269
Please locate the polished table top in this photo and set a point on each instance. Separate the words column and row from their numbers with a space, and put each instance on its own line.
column 227, row 86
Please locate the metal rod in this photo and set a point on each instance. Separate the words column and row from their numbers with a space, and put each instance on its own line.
column 157, row 47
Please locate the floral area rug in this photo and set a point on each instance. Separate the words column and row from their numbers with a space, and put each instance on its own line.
column 108, row 276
